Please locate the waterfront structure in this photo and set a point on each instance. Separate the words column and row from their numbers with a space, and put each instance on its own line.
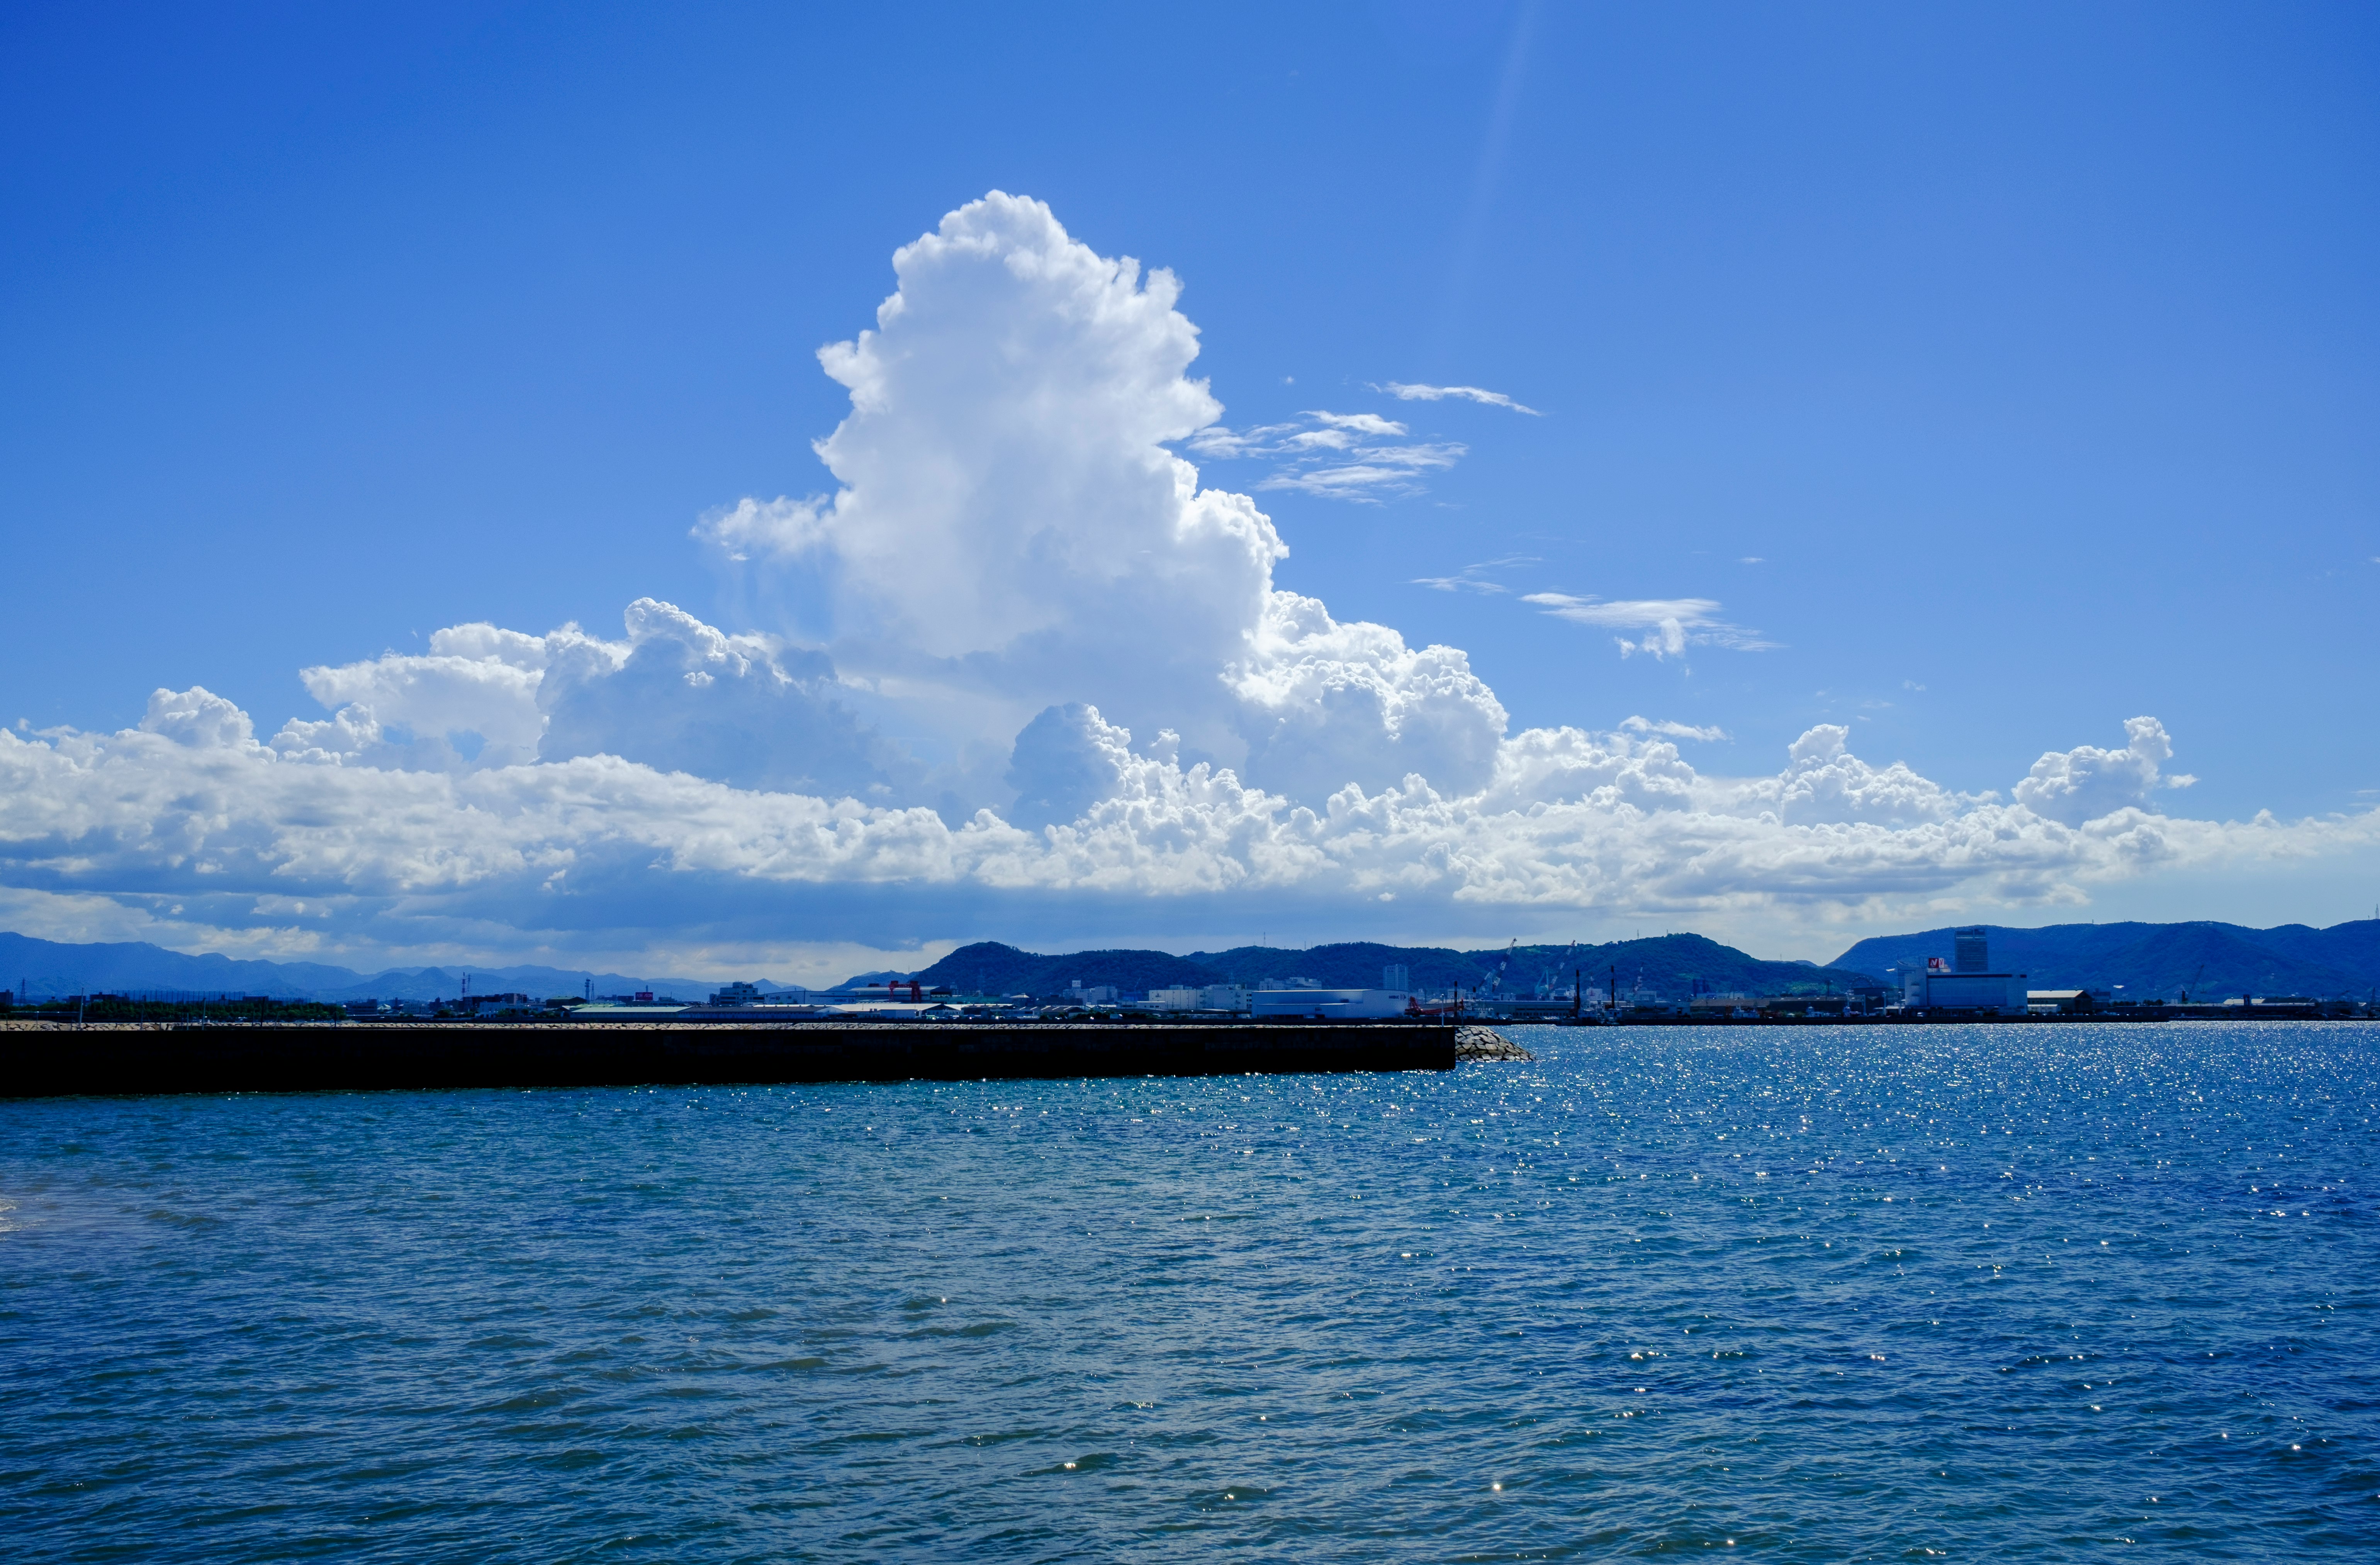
column 1331, row 1005
column 1213, row 997
column 1970, row 986
column 898, row 990
column 511, row 1005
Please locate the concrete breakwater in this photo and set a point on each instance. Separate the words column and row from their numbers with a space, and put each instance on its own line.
column 132, row 1060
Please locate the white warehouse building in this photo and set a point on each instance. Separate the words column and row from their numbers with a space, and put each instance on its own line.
column 1330, row 1005
column 1214, row 996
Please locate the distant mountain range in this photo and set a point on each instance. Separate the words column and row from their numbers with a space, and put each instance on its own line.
column 2161, row 961
column 2151, row 961
column 1670, row 965
column 52, row 967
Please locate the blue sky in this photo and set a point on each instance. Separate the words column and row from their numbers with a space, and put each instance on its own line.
column 1976, row 379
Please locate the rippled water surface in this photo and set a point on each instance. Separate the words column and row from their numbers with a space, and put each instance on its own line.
column 2035, row 1291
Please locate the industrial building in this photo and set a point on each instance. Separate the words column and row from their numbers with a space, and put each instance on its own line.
column 1966, row 982
column 1331, row 1005
column 1213, row 997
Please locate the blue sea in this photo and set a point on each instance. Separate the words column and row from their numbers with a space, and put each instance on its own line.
column 1990, row 1293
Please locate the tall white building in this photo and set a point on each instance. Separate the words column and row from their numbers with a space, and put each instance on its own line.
column 1971, row 949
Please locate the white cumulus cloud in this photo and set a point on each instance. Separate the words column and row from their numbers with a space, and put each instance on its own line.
column 1012, row 533
column 190, row 804
column 2085, row 783
column 1029, row 672
column 189, row 807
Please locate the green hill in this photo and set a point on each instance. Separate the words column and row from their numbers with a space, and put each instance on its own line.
column 1670, row 965
column 2160, row 961
column 987, row 967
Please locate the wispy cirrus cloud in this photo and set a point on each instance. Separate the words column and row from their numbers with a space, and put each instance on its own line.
column 1470, row 578
column 1674, row 730
column 1361, row 456
column 1669, row 625
column 1355, row 426
column 1411, row 391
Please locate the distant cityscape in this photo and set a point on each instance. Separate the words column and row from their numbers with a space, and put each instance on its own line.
column 1975, row 971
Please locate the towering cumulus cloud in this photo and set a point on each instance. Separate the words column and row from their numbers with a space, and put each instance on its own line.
column 1013, row 533
column 1131, row 721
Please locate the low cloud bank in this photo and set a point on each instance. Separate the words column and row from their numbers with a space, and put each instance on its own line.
column 190, row 805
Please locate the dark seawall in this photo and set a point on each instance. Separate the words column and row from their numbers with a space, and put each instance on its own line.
column 124, row 1061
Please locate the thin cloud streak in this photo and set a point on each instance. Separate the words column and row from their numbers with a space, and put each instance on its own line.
column 1468, row 578
column 1338, row 457
column 1407, row 391
column 1674, row 730
column 1671, row 625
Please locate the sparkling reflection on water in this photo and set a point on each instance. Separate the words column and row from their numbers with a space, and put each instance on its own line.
column 2030, row 1291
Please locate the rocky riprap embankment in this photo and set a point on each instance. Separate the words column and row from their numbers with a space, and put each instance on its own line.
column 1486, row 1043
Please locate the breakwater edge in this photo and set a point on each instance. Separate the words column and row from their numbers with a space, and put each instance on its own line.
column 135, row 1060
